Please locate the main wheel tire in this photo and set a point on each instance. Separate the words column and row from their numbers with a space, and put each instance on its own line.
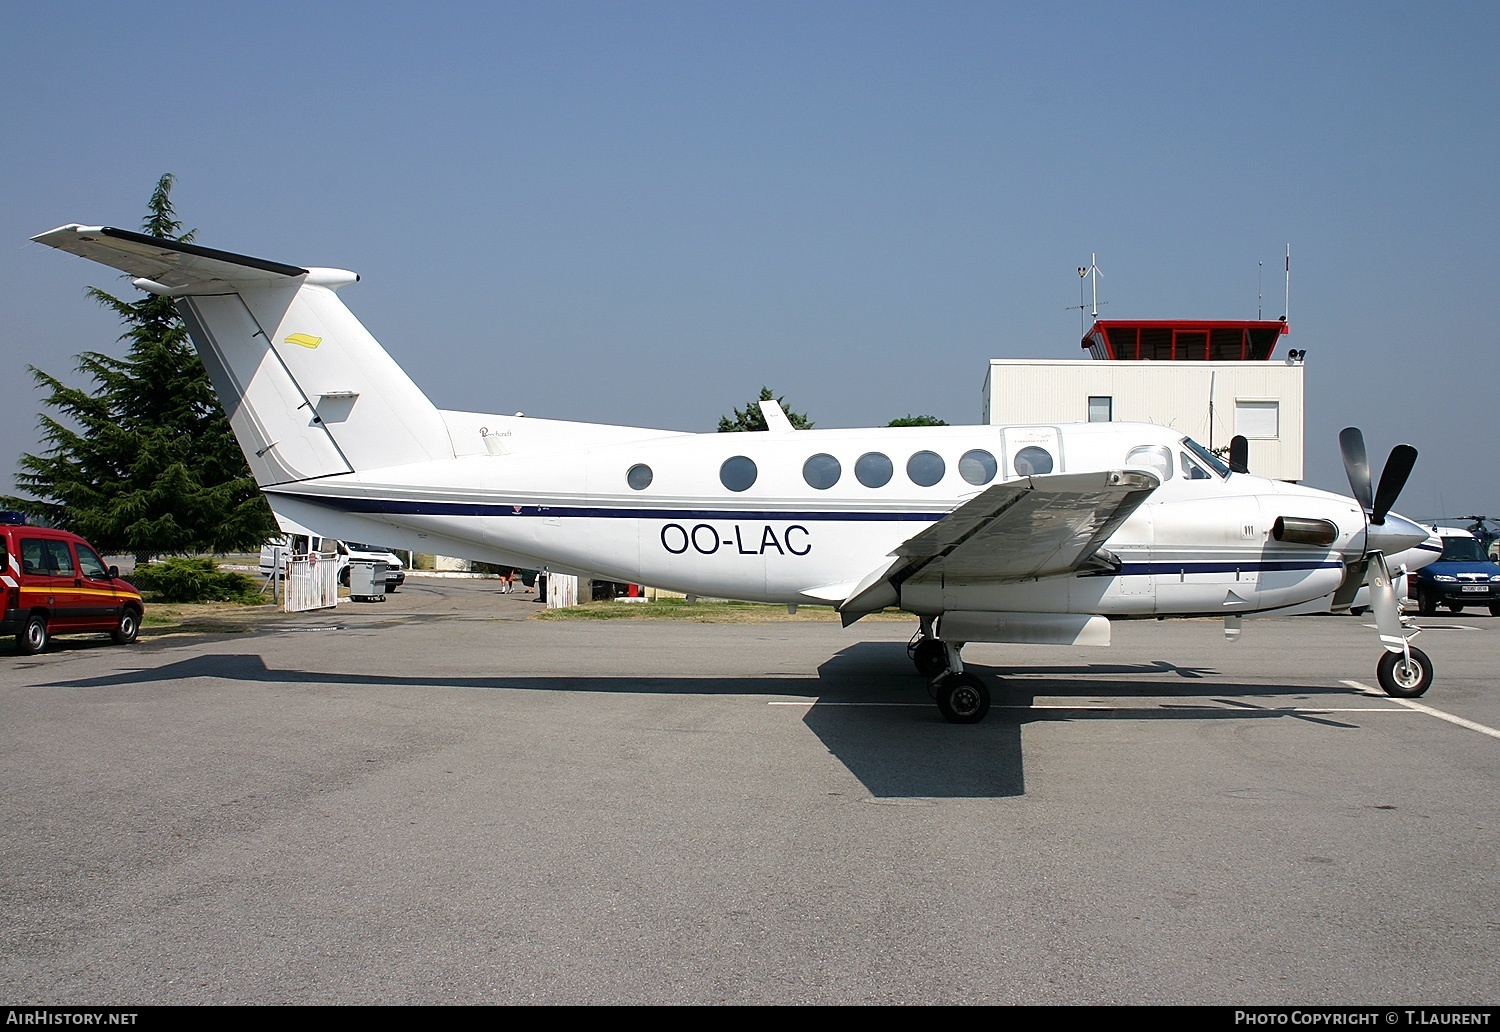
column 1495, row 608
column 930, row 657
column 1405, row 680
column 344, row 576
column 1426, row 604
column 962, row 698
column 1356, row 610
column 1454, row 607
column 33, row 637
column 128, row 627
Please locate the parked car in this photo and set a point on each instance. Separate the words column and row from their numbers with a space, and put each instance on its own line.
column 55, row 583
column 345, row 551
column 1464, row 576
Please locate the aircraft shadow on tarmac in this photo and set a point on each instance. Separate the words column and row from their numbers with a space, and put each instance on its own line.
column 867, row 706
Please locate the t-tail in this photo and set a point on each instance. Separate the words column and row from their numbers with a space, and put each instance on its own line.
column 308, row 391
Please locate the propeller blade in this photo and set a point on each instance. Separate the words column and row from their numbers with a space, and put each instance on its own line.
column 1354, row 576
column 1239, row 454
column 1356, row 465
column 1383, row 604
column 1392, row 480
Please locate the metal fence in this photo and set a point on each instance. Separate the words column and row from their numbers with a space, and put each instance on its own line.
column 310, row 582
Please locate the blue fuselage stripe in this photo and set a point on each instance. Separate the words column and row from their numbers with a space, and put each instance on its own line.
column 385, row 506
column 390, row 506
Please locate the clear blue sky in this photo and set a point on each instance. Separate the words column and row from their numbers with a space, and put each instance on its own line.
column 642, row 212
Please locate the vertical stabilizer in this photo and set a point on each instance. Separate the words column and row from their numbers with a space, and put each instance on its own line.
column 308, row 391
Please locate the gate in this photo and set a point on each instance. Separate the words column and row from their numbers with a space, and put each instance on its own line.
column 311, row 582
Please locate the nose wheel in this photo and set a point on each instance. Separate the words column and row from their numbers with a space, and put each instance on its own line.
column 961, row 698
column 1405, row 677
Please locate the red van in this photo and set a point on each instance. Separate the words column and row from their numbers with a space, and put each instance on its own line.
column 53, row 582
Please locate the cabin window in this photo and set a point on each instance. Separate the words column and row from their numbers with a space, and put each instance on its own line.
column 1153, row 457
column 925, row 468
column 1032, row 461
column 639, row 477
column 822, row 471
column 1101, row 408
column 873, row 469
column 978, row 467
column 737, row 473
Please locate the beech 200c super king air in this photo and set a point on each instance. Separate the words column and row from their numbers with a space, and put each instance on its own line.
column 1036, row 534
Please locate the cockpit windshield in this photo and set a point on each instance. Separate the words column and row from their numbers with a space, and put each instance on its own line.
column 1211, row 460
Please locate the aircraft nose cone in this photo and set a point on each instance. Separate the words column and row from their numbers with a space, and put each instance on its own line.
column 1397, row 534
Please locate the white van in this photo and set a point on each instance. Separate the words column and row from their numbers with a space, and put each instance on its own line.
column 347, row 551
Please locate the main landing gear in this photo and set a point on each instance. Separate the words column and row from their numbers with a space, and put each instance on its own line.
column 961, row 697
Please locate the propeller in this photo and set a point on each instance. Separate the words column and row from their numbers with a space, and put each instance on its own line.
column 1239, row 454
column 1394, row 534
column 1398, row 468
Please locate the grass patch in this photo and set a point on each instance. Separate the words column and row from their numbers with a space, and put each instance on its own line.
column 164, row 618
column 704, row 612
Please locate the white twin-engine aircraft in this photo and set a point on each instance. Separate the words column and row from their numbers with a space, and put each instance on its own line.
column 1036, row 534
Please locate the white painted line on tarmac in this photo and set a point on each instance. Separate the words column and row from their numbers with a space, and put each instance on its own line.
column 1113, row 709
column 1418, row 707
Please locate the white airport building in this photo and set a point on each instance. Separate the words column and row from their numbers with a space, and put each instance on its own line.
column 1213, row 380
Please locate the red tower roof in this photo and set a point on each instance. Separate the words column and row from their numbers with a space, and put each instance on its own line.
column 1184, row 340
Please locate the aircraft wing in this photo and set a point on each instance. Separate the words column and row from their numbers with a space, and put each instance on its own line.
column 186, row 268
column 1034, row 527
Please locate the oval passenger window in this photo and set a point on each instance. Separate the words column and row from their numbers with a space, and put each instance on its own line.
column 873, row 469
column 978, row 467
column 822, row 471
column 639, row 477
column 1033, row 461
column 737, row 473
column 925, row 468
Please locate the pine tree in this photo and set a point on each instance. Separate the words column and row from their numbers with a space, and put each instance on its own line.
column 750, row 417
column 144, row 462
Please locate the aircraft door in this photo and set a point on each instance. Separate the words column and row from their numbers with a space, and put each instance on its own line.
column 1032, row 451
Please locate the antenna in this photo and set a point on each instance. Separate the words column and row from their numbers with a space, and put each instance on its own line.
column 1091, row 273
column 1286, row 311
column 1260, row 296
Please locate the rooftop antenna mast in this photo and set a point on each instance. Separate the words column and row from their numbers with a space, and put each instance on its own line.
column 1092, row 274
column 1260, row 294
column 1286, row 311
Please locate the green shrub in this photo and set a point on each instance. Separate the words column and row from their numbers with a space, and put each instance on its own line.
column 178, row 579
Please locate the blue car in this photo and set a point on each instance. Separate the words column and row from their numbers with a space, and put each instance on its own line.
column 1464, row 576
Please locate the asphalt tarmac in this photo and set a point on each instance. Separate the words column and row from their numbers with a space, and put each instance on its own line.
column 435, row 800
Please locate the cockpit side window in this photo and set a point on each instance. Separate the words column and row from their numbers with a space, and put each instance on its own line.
column 1191, row 469
column 1155, row 457
column 1207, row 458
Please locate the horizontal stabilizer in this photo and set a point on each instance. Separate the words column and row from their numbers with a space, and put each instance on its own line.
column 182, row 267
column 308, row 391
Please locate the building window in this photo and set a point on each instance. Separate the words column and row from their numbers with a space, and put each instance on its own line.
column 1257, row 419
column 1101, row 408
